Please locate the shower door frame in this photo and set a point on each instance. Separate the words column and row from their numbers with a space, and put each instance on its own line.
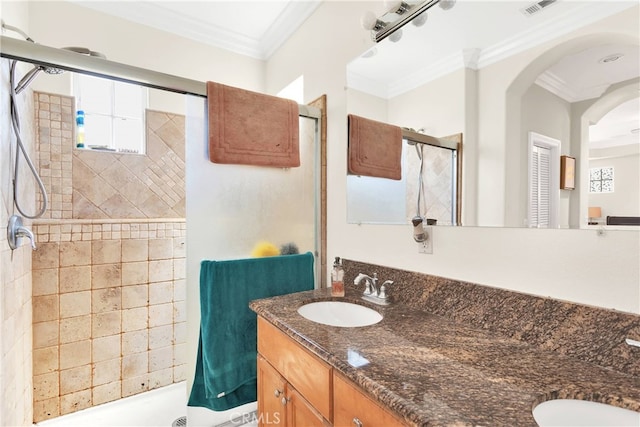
column 25, row 51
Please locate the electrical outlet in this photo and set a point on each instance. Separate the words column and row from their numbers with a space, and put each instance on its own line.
column 426, row 247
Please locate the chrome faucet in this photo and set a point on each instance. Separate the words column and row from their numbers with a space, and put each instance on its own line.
column 371, row 292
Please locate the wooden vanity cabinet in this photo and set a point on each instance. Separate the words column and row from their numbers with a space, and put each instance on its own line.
column 294, row 386
column 297, row 389
column 351, row 407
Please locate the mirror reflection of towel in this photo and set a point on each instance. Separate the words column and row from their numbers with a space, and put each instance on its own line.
column 226, row 364
column 250, row 128
column 375, row 148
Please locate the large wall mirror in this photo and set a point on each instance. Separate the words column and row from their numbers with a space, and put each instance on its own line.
column 537, row 93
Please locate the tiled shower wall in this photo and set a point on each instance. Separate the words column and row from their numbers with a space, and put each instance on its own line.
column 15, row 268
column 109, row 312
column 108, row 276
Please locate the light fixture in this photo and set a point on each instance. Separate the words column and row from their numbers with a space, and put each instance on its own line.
column 400, row 13
column 595, row 213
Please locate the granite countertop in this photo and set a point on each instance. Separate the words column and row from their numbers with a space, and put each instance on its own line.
column 430, row 370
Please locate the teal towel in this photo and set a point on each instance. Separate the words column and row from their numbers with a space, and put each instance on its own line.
column 226, row 363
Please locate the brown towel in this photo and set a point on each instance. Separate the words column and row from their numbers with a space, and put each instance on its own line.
column 250, row 128
column 375, row 148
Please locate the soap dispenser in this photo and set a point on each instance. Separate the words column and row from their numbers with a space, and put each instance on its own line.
column 337, row 276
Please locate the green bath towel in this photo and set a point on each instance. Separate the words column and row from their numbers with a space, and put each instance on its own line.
column 226, row 363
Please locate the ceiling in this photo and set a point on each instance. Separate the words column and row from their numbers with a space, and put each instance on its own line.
column 252, row 28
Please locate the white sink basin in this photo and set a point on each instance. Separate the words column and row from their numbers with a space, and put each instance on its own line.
column 338, row 313
column 570, row 412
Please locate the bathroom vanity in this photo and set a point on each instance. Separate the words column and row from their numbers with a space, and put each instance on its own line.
column 413, row 368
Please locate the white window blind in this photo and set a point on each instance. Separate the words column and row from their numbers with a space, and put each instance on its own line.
column 540, row 191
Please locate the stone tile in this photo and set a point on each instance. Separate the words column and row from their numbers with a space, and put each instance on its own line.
column 75, row 379
column 135, row 250
column 47, row 256
column 104, row 300
column 131, row 386
column 180, row 311
column 75, row 329
column 105, row 276
column 161, row 271
column 46, row 409
column 161, row 292
column 106, row 393
column 135, row 273
column 45, row 386
column 135, row 342
column 106, row 371
column 105, row 324
column 117, row 206
column 75, row 354
column 135, row 296
column 160, row 378
column 106, row 252
column 160, row 249
column 135, row 365
column 45, row 281
column 179, row 247
column 45, row 334
column 179, row 269
column 74, row 279
column 75, row 254
column 106, row 348
column 180, row 332
column 73, row 402
column 160, row 358
column 45, row 360
column 161, row 314
column 179, row 290
column 161, row 336
column 179, row 373
column 179, row 354
column 75, row 304
column 45, row 308
column 134, row 319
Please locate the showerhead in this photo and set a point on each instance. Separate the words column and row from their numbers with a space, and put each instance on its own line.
column 31, row 75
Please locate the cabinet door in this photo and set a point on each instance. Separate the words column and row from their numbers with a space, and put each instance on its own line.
column 271, row 391
column 353, row 408
column 300, row 413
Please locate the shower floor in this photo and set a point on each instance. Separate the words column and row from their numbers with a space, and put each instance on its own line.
column 160, row 407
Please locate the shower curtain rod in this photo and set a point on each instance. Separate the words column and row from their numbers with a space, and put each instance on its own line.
column 34, row 53
column 414, row 138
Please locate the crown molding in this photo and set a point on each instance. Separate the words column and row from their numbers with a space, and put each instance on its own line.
column 426, row 74
column 281, row 30
column 153, row 14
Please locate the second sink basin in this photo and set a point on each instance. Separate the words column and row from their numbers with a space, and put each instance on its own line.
column 570, row 412
column 338, row 313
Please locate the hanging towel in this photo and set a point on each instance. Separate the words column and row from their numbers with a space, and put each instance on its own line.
column 250, row 128
column 375, row 148
column 226, row 363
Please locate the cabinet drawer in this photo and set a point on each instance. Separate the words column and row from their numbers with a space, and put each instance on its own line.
column 305, row 372
column 351, row 406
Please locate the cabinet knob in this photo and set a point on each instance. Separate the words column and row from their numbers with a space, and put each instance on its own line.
column 357, row 422
column 277, row 393
column 284, row 401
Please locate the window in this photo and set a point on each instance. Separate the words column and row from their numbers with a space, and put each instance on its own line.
column 114, row 113
column 601, row 180
column 544, row 181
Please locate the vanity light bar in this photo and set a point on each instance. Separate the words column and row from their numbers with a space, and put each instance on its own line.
column 404, row 16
